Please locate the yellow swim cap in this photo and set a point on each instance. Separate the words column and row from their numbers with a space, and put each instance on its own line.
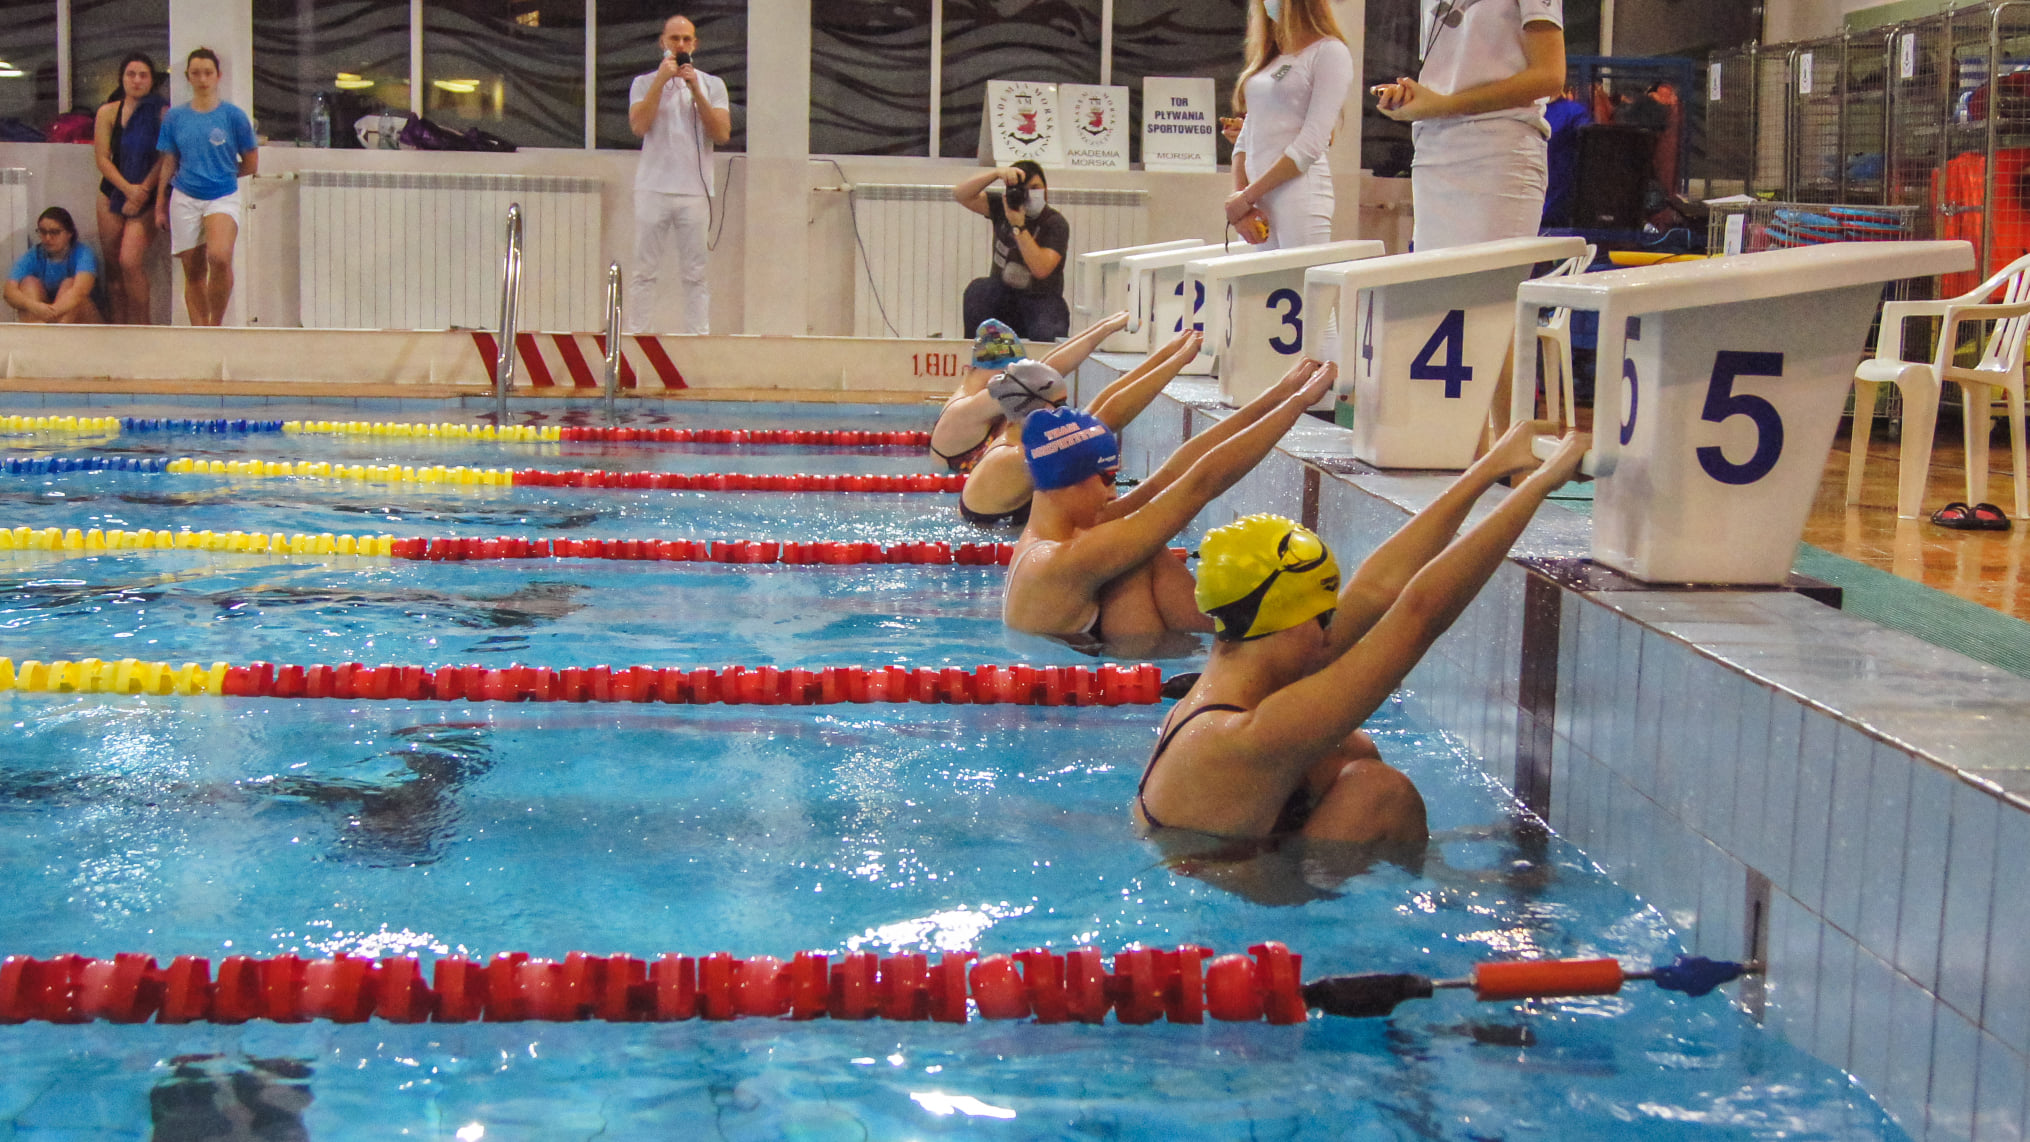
column 1262, row 574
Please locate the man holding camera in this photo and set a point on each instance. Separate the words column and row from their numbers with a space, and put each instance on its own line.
column 678, row 113
column 1031, row 240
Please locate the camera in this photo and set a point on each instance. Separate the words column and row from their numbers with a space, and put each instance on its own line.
column 683, row 58
column 1017, row 196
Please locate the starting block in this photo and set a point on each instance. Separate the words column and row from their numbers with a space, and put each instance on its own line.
column 1733, row 373
column 1099, row 287
column 1255, row 321
column 1161, row 303
column 1429, row 332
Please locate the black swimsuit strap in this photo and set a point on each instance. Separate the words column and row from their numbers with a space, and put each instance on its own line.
column 1163, row 744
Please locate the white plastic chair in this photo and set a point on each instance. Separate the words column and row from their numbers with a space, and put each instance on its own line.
column 1921, row 382
column 1554, row 342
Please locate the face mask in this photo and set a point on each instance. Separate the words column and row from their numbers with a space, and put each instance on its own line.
column 1034, row 206
column 1274, row 8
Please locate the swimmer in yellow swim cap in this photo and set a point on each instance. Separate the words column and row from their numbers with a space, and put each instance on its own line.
column 1267, row 745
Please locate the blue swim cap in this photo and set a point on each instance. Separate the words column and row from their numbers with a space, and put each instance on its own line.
column 1065, row 446
column 995, row 345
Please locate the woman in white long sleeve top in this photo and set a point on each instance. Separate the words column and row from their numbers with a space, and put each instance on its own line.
column 1298, row 74
column 1477, row 115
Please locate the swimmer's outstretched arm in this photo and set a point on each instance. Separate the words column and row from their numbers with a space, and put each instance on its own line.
column 1304, row 720
column 1271, row 401
column 1122, row 542
column 1121, row 402
column 1070, row 355
column 1374, row 587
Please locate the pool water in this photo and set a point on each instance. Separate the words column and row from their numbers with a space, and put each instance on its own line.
column 258, row 826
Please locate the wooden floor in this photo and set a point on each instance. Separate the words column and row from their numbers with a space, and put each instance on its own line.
column 1986, row 567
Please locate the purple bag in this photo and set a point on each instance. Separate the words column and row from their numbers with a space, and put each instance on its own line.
column 420, row 134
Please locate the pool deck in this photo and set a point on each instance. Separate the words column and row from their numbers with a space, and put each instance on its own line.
column 1783, row 782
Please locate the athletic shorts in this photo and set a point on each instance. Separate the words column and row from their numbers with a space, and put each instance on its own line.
column 187, row 215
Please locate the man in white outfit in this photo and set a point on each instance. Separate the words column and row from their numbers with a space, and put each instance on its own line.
column 678, row 113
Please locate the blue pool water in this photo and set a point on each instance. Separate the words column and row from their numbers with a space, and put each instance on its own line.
column 260, row 826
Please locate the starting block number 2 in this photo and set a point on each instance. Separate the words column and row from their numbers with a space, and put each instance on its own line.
column 1722, row 404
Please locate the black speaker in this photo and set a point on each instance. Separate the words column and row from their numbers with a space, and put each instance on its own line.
column 1615, row 165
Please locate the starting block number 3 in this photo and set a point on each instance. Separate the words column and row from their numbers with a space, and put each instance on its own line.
column 1721, row 405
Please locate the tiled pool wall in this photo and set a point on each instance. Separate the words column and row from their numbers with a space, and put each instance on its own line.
column 1779, row 780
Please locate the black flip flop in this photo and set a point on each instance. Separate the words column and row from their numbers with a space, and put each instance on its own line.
column 1988, row 517
column 1955, row 515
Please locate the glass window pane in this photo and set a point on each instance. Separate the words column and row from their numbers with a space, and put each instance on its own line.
column 870, row 78
column 1051, row 41
column 514, row 69
column 28, row 63
column 102, row 32
column 1392, row 46
column 628, row 34
column 356, row 53
column 1179, row 38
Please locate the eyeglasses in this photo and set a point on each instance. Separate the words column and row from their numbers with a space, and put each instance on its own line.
column 51, row 231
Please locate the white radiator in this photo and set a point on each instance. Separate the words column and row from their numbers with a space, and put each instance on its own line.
column 17, row 216
column 423, row 251
column 920, row 249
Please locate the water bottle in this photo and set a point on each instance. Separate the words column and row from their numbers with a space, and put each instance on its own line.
column 320, row 122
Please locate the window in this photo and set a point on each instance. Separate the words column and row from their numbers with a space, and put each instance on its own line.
column 356, row 53
column 1178, row 38
column 102, row 32
column 870, row 78
column 1051, row 41
column 28, row 62
column 513, row 69
column 627, row 48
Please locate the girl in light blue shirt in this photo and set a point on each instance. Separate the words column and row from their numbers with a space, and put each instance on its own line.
column 208, row 145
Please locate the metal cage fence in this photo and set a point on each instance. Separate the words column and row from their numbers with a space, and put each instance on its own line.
column 1768, row 173
column 1729, row 151
column 1919, row 102
column 1817, row 107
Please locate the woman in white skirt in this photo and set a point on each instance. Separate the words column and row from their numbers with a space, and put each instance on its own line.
column 1477, row 115
column 1299, row 71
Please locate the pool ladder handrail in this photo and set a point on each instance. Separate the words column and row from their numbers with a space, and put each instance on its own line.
column 613, row 306
column 510, row 311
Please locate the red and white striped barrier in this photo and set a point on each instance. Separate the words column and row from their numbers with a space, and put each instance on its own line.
column 578, row 360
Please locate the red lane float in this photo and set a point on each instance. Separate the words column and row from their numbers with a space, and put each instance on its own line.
column 831, row 438
column 1108, row 685
column 738, row 481
column 1145, row 985
column 737, row 552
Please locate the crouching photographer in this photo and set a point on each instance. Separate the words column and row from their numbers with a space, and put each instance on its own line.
column 1031, row 240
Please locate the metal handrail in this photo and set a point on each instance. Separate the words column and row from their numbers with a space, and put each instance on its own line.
column 613, row 304
column 510, row 309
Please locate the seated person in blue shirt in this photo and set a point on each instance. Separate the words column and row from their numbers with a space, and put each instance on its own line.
column 208, row 146
column 52, row 283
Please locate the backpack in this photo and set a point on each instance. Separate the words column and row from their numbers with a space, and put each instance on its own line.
column 71, row 127
column 420, row 134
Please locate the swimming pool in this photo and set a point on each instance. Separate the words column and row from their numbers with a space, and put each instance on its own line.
column 260, row 825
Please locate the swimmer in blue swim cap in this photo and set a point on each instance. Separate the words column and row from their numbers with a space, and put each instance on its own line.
column 1093, row 566
column 1267, row 745
column 971, row 417
column 998, row 492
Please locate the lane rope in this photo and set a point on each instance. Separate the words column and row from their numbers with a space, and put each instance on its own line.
column 1020, row 685
column 452, row 430
column 469, row 548
column 914, row 482
column 1182, row 985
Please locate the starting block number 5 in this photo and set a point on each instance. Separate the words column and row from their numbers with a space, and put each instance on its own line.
column 1721, row 405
